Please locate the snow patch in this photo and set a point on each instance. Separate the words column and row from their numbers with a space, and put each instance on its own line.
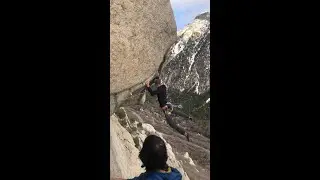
column 197, row 26
column 197, row 83
column 197, row 88
column 208, row 100
column 177, row 48
column 191, row 61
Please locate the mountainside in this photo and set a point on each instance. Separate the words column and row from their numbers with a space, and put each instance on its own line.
column 187, row 64
column 186, row 70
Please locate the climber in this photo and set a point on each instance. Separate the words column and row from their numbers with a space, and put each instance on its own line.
column 166, row 107
column 154, row 156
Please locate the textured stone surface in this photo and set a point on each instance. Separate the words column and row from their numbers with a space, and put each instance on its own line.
column 141, row 31
column 122, row 96
column 112, row 104
column 124, row 160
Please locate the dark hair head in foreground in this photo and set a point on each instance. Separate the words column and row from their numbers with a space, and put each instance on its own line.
column 154, row 154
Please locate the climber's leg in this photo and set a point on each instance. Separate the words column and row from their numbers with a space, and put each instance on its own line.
column 174, row 125
column 179, row 113
column 173, row 111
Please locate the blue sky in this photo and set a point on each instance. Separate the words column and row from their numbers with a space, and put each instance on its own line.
column 186, row 10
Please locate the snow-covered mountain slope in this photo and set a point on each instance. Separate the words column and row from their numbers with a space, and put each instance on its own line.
column 186, row 69
column 187, row 64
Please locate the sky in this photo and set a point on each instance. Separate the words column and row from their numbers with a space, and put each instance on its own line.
column 186, row 10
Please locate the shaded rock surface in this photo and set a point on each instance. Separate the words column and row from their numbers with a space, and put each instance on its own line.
column 124, row 161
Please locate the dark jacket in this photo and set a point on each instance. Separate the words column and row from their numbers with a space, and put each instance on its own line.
column 172, row 174
column 161, row 92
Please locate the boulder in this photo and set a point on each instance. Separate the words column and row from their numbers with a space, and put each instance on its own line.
column 141, row 31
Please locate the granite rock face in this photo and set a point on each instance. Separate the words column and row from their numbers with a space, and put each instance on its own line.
column 124, row 161
column 141, row 32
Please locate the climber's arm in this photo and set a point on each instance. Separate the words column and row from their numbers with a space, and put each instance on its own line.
column 152, row 93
